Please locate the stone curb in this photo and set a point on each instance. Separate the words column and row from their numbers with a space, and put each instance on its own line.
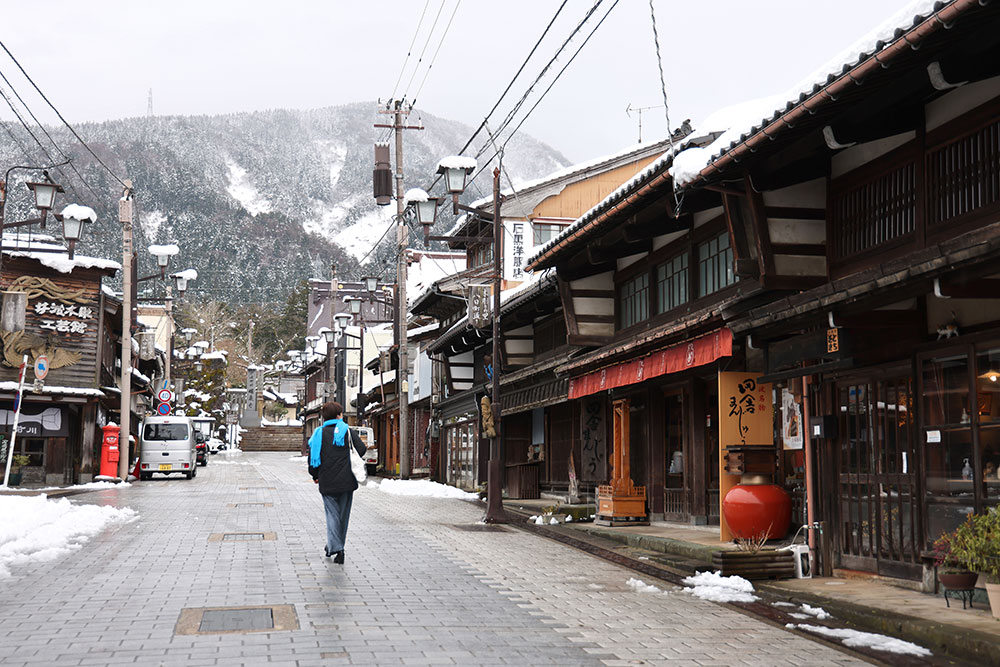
column 952, row 640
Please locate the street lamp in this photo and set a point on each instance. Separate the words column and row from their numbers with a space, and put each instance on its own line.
column 355, row 304
column 371, row 283
column 328, row 335
column 188, row 334
column 163, row 253
column 425, row 208
column 456, row 169
column 198, row 365
column 73, row 218
column 182, row 278
column 343, row 320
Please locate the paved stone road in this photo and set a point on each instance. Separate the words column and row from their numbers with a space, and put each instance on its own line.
column 418, row 588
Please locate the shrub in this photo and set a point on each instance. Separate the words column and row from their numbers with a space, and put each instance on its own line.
column 976, row 543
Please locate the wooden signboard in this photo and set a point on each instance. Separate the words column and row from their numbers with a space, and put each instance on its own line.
column 480, row 306
column 746, row 417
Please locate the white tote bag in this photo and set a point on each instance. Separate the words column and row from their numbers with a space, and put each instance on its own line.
column 357, row 464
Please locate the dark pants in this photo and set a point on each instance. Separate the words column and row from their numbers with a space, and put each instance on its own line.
column 338, row 513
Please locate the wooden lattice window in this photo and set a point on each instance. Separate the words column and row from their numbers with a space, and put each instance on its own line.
column 633, row 298
column 715, row 265
column 963, row 175
column 875, row 211
column 672, row 283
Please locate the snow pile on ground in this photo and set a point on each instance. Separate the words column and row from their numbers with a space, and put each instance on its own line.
column 297, row 458
column 102, row 484
column 640, row 586
column 424, row 488
column 713, row 586
column 818, row 612
column 858, row 639
column 36, row 529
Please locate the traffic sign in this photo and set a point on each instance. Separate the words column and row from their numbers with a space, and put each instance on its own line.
column 165, row 395
column 41, row 366
column 163, row 409
column 232, row 418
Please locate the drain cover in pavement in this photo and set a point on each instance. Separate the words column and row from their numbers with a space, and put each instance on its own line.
column 235, row 620
column 256, row 488
column 235, row 505
column 480, row 527
column 243, row 537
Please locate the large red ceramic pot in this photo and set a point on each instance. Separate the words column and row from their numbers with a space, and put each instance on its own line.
column 752, row 509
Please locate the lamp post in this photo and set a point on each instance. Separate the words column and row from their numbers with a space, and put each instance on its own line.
column 456, row 170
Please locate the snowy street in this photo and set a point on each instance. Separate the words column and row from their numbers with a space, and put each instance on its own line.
column 423, row 584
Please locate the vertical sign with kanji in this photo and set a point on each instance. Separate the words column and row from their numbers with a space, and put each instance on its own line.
column 480, row 306
column 593, row 447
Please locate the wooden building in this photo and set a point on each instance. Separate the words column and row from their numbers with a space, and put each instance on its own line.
column 838, row 248
column 72, row 320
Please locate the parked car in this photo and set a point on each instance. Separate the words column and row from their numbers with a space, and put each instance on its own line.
column 201, row 449
column 167, row 445
column 371, row 451
column 214, row 445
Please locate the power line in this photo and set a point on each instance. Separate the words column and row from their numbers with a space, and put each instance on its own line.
column 509, row 86
column 434, row 57
column 409, row 50
column 424, row 49
column 64, row 121
column 546, row 92
column 517, row 107
column 52, row 141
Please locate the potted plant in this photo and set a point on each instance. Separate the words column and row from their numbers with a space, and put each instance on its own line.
column 752, row 560
column 976, row 543
column 953, row 573
column 17, row 471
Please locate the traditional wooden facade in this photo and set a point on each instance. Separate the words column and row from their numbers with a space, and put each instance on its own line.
column 76, row 323
column 844, row 244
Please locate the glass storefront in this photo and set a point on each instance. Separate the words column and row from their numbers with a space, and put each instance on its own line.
column 961, row 434
column 461, row 440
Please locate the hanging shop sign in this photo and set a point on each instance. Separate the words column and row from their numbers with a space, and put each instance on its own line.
column 63, row 318
column 480, row 306
column 696, row 352
column 746, row 414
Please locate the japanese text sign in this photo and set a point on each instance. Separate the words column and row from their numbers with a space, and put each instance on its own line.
column 746, row 412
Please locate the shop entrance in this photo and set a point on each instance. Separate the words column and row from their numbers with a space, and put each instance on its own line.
column 676, row 490
column 879, row 523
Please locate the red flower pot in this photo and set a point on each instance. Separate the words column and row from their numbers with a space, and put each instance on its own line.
column 752, row 509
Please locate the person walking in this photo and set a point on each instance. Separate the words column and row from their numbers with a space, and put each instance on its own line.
column 330, row 468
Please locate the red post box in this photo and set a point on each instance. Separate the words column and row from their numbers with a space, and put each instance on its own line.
column 109, row 451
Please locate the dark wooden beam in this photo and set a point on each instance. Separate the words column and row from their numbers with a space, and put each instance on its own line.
column 566, row 296
column 596, row 319
column 594, row 293
column 761, row 232
column 582, row 270
column 795, row 212
column 985, row 288
column 589, row 341
column 881, row 319
column 793, row 283
column 726, row 190
column 817, row 249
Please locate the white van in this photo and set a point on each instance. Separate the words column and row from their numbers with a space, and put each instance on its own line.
column 167, row 445
column 371, row 453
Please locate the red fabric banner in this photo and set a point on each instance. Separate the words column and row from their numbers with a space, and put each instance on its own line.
column 697, row 352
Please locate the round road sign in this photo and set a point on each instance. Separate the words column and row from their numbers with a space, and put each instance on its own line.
column 163, row 409
column 41, row 367
column 165, row 395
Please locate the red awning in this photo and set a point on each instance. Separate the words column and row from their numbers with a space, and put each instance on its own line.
column 697, row 352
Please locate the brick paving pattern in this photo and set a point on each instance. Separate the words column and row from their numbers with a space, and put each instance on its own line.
column 416, row 589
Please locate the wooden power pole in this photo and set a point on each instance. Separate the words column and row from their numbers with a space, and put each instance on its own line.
column 399, row 112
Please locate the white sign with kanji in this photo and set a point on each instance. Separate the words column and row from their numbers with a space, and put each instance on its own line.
column 54, row 317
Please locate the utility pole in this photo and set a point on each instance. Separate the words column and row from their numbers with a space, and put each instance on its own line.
column 170, row 335
column 125, row 217
column 494, row 488
column 399, row 112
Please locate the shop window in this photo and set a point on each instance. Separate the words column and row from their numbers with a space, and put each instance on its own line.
column 481, row 254
column 34, row 449
column 672, row 283
column 988, row 409
column 543, row 232
column 715, row 265
column 633, row 299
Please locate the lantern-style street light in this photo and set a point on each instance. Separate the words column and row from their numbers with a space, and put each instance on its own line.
column 163, row 253
column 343, row 320
column 328, row 335
column 371, row 283
column 73, row 218
column 355, row 304
column 456, row 169
column 425, row 208
column 182, row 278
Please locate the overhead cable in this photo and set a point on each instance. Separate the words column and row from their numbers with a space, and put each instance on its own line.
column 409, row 50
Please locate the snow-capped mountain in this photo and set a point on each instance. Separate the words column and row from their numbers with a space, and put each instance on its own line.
column 256, row 201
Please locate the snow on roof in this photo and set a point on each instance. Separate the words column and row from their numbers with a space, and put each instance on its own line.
column 186, row 274
column 168, row 250
column 108, row 291
column 415, row 194
column 458, row 162
column 735, row 123
column 201, row 343
column 11, row 385
column 136, row 373
column 40, row 247
column 740, row 121
column 424, row 329
column 218, row 354
column 459, row 223
column 77, row 212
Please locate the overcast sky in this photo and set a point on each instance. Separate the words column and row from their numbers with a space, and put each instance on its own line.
column 96, row 59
